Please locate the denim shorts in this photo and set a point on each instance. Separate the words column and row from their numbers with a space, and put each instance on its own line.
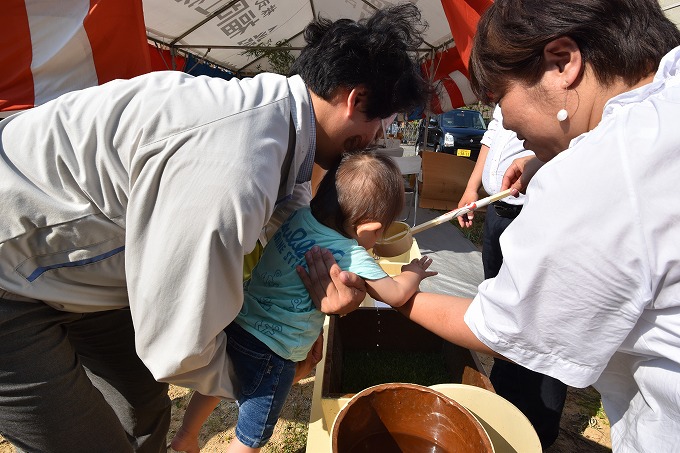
column 265, row 380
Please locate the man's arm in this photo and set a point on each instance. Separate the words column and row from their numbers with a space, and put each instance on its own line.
column 302, row 194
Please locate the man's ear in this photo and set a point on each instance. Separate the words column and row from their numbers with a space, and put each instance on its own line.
column 368, row 228
column 356, row 100
column 563, row 61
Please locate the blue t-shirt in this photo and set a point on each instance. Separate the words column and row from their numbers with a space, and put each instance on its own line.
column 277, row 308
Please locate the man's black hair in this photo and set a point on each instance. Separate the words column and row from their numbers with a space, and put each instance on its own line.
column 377, row 52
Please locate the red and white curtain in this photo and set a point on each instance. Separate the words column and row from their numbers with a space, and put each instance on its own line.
column 449, row 69
column 48, row 48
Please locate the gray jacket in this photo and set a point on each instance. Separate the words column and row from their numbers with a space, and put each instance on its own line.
column 147, row 193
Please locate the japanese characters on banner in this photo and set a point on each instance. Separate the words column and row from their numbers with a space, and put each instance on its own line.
column 224, row 23
column 217, row 30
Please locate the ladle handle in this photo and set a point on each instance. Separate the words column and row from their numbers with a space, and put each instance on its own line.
column 460, row 211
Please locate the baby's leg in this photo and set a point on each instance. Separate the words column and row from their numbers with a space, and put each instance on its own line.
column 235, row 446
column 265, row 380
column 199, row 409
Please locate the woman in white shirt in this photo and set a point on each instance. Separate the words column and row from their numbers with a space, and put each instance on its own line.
column 541, row 398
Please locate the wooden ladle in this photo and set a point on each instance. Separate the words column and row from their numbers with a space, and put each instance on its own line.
column 452, row 214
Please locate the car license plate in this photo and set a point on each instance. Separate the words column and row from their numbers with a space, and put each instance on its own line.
column 463, row 153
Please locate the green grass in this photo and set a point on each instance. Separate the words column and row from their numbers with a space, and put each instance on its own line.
column 293, row 440
column 590, row 406
column 476, row 232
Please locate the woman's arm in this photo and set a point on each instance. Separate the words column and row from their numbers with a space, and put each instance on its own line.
column 443, row 315
column 471, row 193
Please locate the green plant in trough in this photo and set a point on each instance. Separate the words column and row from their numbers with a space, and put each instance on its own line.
column 363, row 369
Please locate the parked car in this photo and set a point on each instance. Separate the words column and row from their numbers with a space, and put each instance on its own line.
column 458, row 132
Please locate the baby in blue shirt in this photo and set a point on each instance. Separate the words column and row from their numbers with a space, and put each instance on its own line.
column 279, row 323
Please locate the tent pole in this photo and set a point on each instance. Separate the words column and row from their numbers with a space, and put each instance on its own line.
column 427, row 109
column 173, row 59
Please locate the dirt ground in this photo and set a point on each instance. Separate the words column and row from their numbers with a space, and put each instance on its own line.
column 584, row 426
column 290, row 434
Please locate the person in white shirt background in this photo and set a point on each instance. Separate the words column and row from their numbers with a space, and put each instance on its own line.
column 589, row 289
column 541, row 398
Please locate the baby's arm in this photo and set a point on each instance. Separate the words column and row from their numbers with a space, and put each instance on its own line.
column 395, row 291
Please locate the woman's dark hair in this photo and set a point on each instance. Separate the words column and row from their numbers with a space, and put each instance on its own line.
column 378, row 52
column 363, row 187
column 617, row 38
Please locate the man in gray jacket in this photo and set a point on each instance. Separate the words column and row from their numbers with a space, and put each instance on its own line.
column 128, row 208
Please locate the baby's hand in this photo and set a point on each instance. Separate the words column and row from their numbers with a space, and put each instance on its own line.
column 419, row 266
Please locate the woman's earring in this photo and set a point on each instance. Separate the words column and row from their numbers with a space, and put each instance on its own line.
column 563, row 114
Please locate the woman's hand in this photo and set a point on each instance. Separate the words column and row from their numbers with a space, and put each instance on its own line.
column 469, row 196
column 520, row 172
column 332, row 290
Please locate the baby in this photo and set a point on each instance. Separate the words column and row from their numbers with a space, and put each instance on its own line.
column 279, row 323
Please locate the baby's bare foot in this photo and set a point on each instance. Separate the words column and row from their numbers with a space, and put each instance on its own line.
column 184, row 441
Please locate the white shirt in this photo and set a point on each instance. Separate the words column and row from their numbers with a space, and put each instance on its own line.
column 589, row 291
column 504, row 147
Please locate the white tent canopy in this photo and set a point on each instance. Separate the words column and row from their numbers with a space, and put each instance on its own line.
column 672, row 10
column 221, row 30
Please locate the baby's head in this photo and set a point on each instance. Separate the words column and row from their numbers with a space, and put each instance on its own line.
column 360, row 196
